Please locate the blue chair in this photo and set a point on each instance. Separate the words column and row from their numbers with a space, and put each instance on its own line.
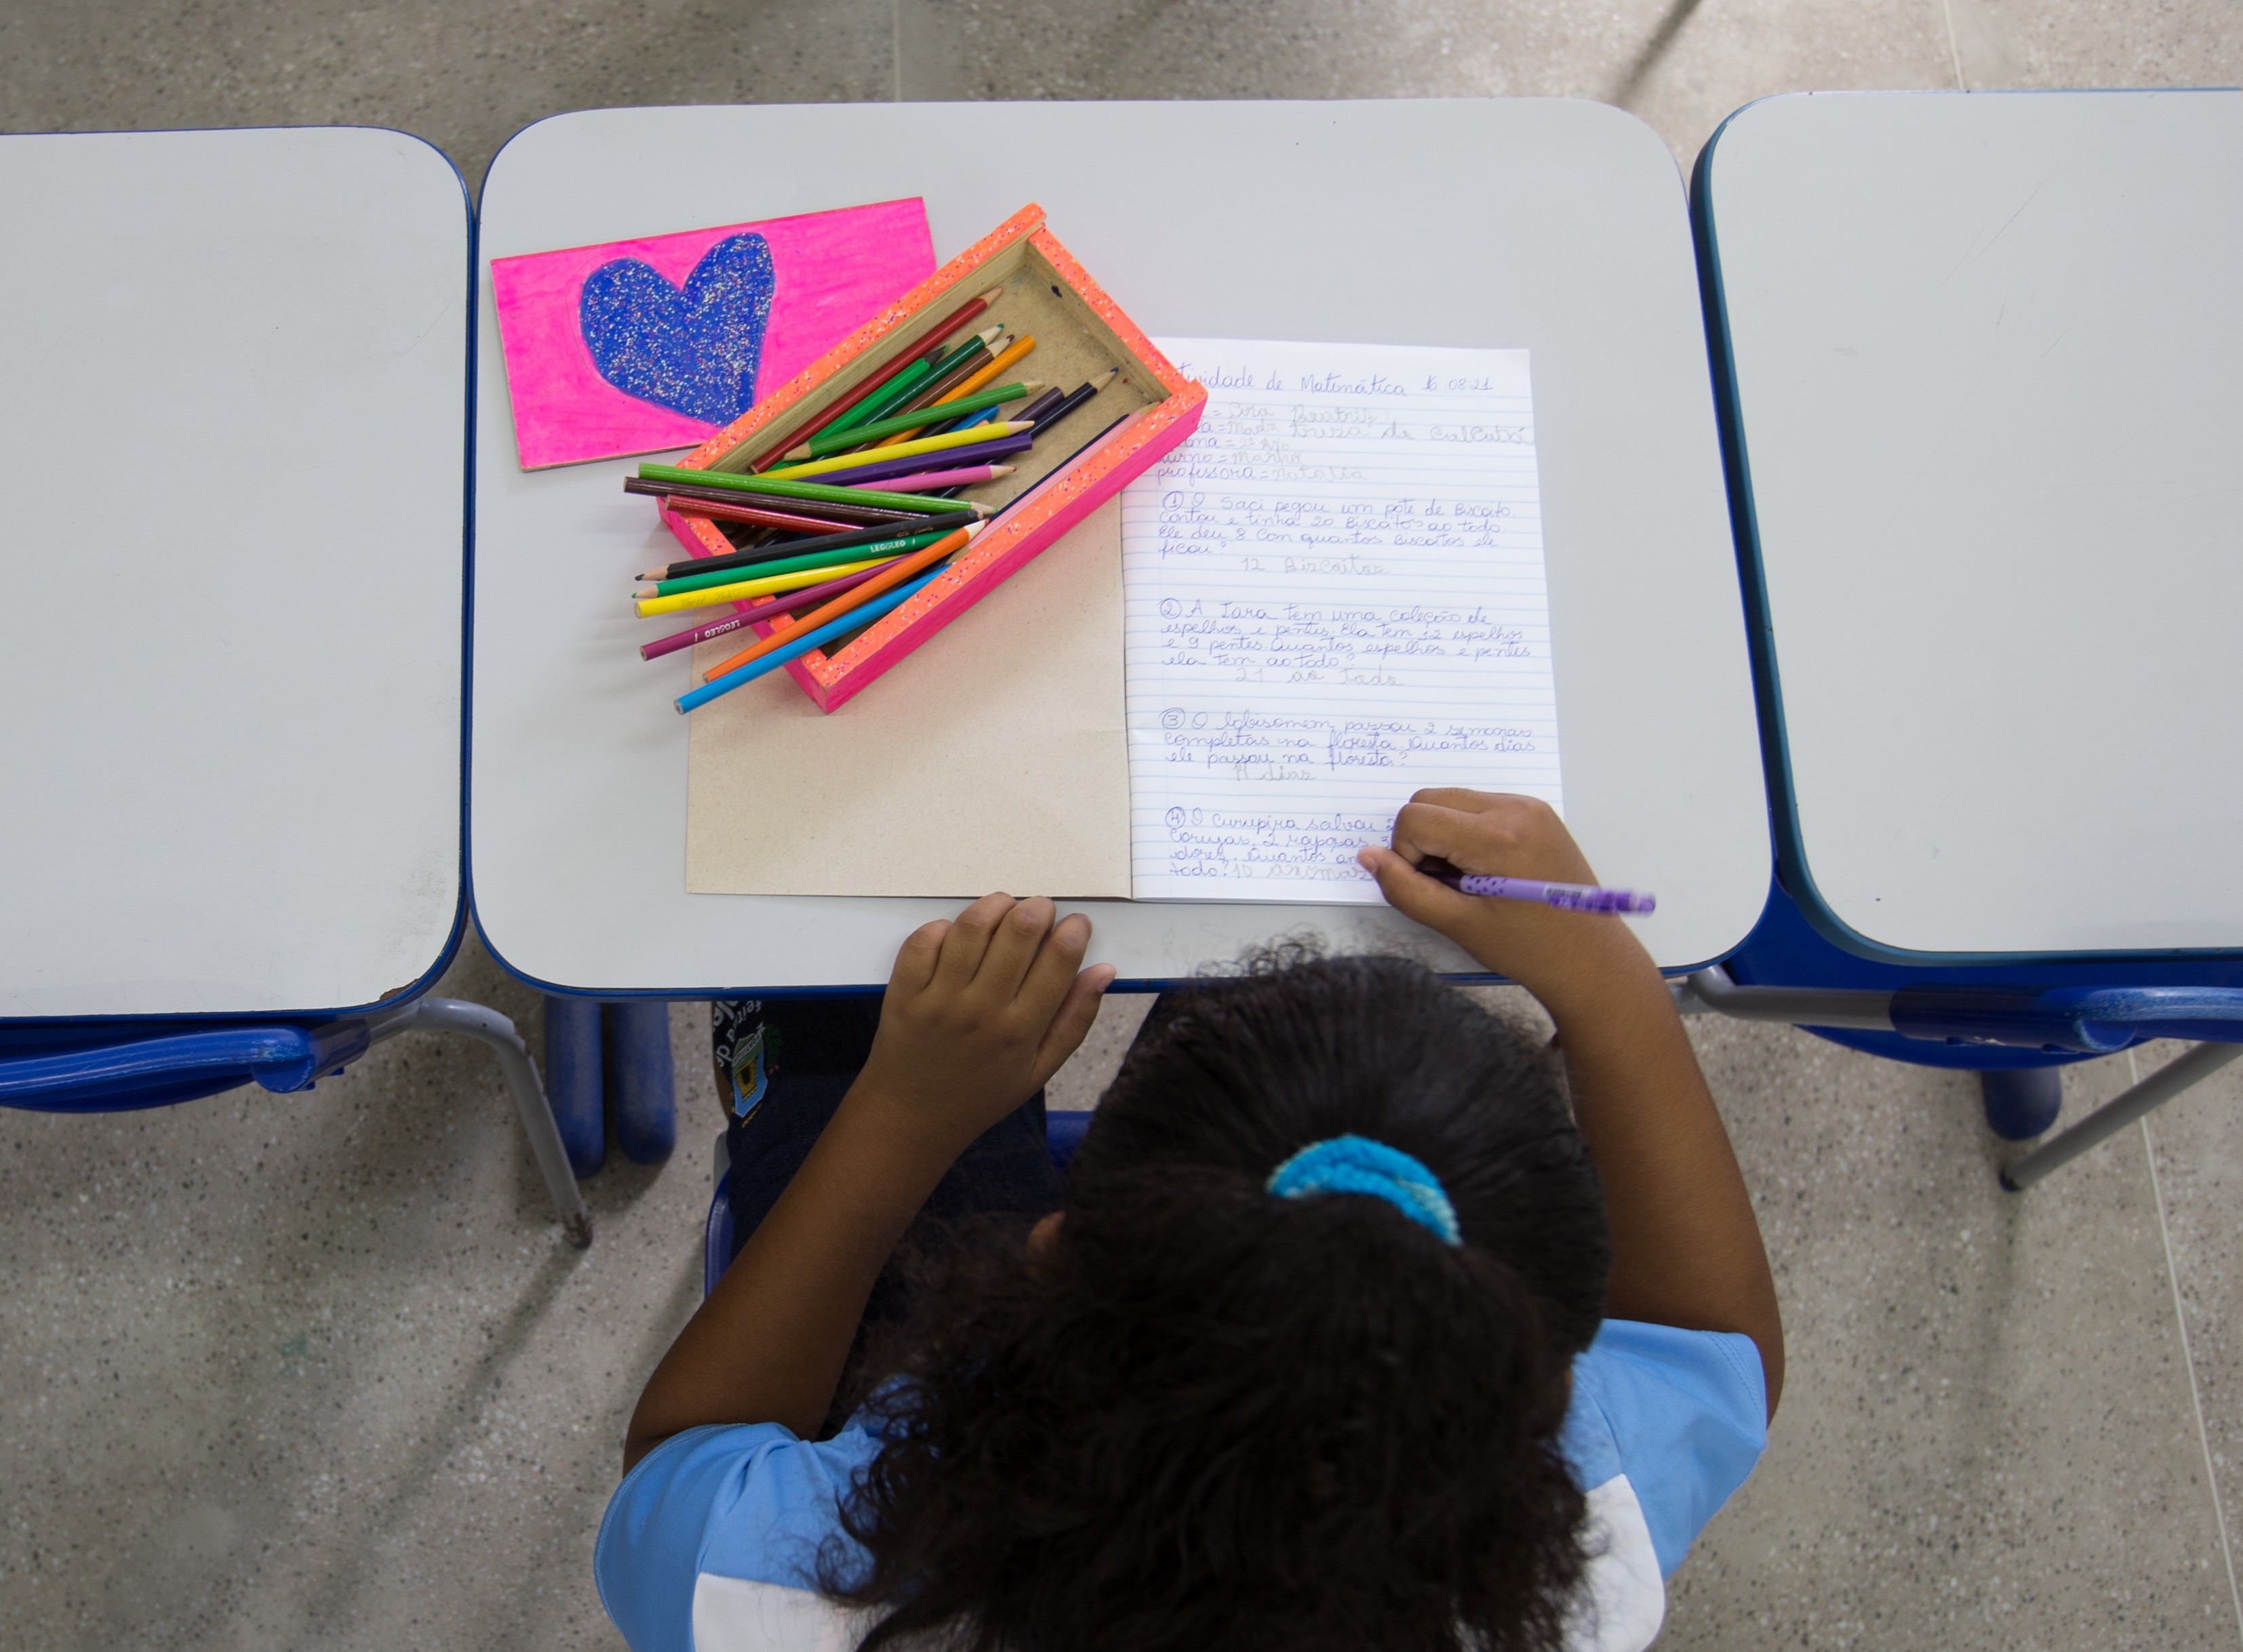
column 1062, row 1135
column 118, row 1066
column 2007, row 1023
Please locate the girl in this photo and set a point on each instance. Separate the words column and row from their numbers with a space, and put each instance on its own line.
column 1348, row 1331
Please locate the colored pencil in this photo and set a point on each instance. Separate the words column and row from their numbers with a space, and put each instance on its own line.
column 808, row 597
column 974, row 453
column 747, row 555
column 750, row 590
column 1571, row 897
column 745, row 515
column 943, row 383
column 914, row 386
column 829, row 516
column 899, row 450
column 784, row 489
column 1004, row 363
column 894, row 574
column 802, row 645
column 962, row 476
column 988, row 341
column 932, row 335
column 1041, row 405
column 1076, row 397
column 701, row 579
column 818, row 447
column 898, row 390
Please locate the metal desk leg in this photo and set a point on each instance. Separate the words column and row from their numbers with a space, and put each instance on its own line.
column 2119, row 1111
column 479, row 1022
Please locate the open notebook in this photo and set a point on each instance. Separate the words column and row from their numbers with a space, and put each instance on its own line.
column 1329, row 596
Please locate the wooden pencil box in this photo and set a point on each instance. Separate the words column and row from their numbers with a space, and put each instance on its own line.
column 1074, row 467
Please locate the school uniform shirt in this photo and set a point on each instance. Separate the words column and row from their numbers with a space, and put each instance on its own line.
column 711, row 1542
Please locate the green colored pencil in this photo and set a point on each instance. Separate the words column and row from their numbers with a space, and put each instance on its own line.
column 819, row 445
column 881, row 402
column 833, row 557
column 781, row 488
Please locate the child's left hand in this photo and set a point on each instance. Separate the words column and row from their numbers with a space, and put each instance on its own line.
column 980, row 1012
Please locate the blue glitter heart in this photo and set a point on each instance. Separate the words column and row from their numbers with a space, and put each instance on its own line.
column 695, row 351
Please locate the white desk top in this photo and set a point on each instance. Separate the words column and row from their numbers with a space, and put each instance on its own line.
column 1989, row 349
column 231, row 544
column 1557, row 225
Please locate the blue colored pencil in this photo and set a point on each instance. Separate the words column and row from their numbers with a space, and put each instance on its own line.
column 855, row 619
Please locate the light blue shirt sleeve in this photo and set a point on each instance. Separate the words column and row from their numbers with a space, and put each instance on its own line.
column 749, row 1500
column 1682, row 1414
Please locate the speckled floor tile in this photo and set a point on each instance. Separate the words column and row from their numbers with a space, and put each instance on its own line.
column 1987, row 1438
column 318, row 1370
column 2111, row 43
column 2198, row 1141
column 1681, row 65
column 464, row 76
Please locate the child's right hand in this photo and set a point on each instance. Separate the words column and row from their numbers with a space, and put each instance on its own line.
column 1552, row 953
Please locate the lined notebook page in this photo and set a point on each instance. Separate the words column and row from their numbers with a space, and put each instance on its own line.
column 1334, row 596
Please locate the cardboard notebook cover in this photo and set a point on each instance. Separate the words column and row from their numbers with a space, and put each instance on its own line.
column 998, row 760
column 1162, row 408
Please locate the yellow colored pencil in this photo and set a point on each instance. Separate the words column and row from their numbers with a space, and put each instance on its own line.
column 747, row 590
column 1011, row 353
column 964, row 438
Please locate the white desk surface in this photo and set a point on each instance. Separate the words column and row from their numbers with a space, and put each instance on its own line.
column 1557, row 225
column 231, row 476
column 1988, row 351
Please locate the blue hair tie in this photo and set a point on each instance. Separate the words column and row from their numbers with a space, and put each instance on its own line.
column 1357, row 1164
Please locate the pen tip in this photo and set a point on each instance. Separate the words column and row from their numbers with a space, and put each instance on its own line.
column 993, row 294
column 803, row 451
column 996, row 470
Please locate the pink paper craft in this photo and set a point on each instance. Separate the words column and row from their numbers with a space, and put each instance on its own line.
column 829, row 272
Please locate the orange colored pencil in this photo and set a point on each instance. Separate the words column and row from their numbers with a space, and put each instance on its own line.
column 898, row 571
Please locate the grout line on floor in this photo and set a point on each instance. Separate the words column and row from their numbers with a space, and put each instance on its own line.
column 2188, row 1363
column 1954, row 52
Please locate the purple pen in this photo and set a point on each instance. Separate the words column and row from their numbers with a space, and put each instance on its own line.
column 1571, row 897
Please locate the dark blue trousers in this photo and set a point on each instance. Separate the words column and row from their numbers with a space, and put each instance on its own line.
column 782, row 1065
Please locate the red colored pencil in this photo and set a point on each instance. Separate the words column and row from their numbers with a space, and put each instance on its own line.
column 903, row 358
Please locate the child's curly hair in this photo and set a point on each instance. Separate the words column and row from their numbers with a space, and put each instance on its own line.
column 1206, row 1417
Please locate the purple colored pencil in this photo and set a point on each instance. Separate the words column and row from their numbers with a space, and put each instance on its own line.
column 926, row 480
column 1571, row 897
column 972, row 453
column 744, row 617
